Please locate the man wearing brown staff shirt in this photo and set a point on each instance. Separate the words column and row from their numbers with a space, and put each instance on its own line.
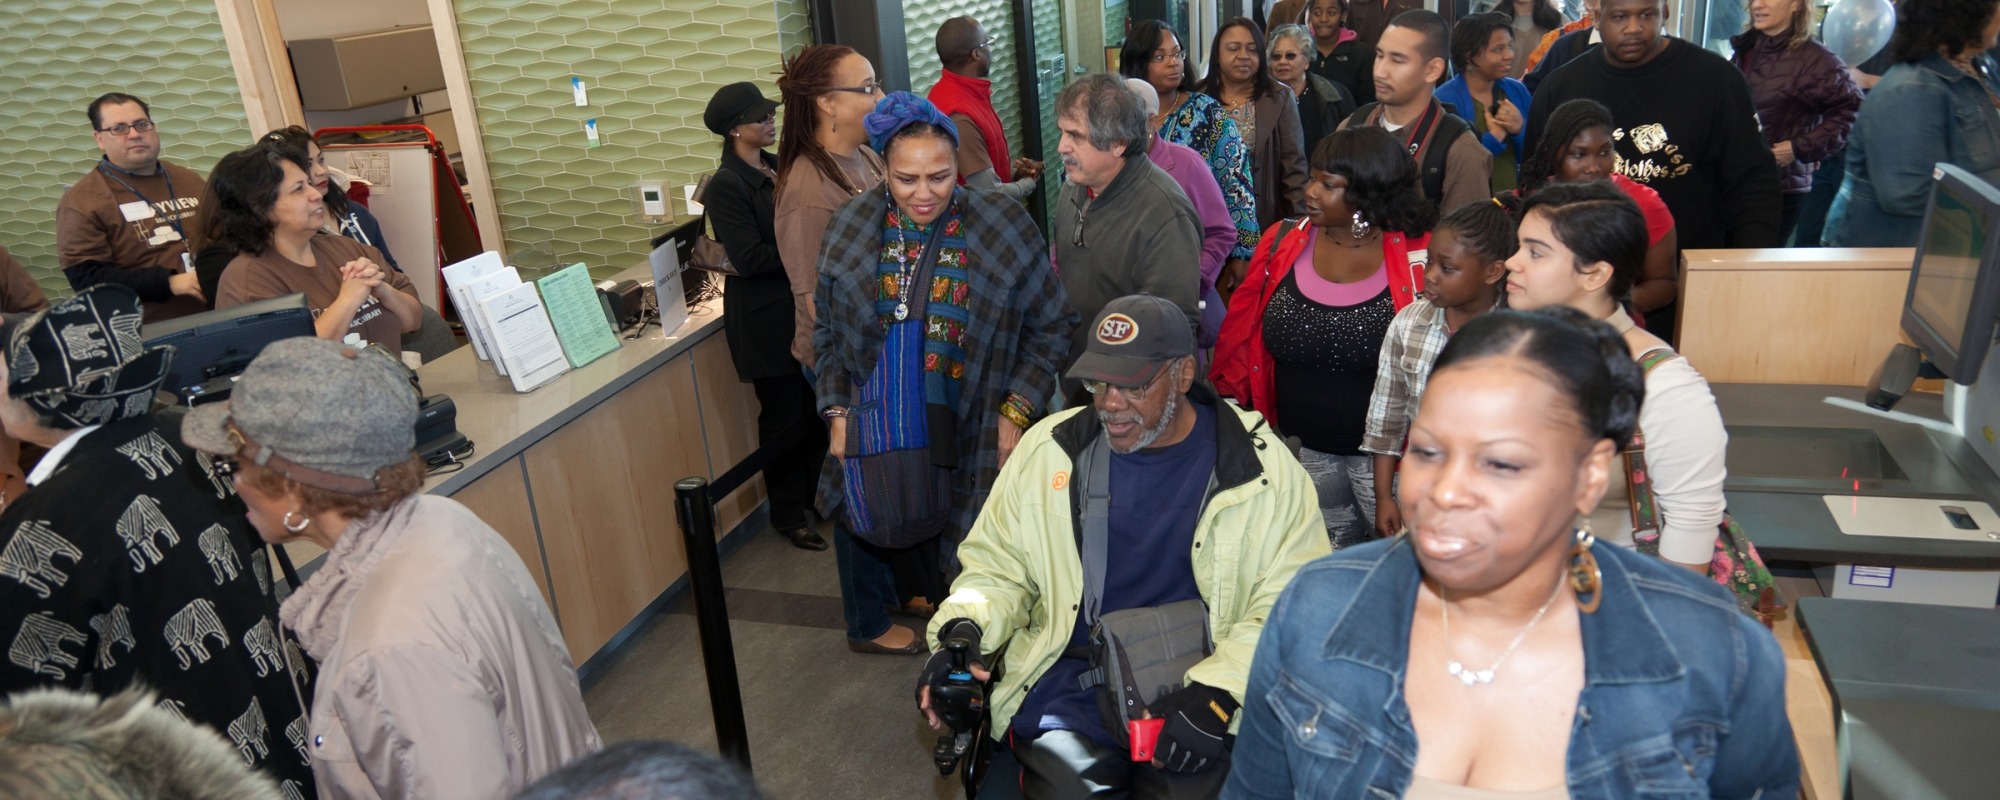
column 128, row 219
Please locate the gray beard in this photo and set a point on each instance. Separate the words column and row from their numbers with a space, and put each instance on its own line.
column 1149, row 435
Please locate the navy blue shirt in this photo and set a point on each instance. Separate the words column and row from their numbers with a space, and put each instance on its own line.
column 1156, row 499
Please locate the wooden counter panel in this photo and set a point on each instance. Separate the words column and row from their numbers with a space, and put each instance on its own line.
column 603, row 489
column 729, row 422
column 500, row 498
column 1791, row 325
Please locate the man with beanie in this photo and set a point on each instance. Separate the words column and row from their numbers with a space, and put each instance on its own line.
column 964, row 93
column 1204, row 502
column 129, row 560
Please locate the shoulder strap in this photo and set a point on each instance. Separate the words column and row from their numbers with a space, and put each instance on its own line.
column 1096, row 493
column 1449, row 128
column 1096, row 462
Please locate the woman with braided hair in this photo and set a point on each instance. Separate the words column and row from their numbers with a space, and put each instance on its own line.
column 1468, row 265
column 1578, row 147
column 823, row 161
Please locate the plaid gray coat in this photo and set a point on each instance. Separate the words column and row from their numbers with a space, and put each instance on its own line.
column 1015, row 340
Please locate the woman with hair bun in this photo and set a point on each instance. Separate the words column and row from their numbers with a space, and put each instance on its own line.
column 1497, row 651
column 1301, row 340
column 1582, row 246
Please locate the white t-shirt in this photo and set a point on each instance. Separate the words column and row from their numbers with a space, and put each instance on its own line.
column 1686, row 450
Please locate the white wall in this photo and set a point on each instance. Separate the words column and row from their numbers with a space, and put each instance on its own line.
column 319, row 19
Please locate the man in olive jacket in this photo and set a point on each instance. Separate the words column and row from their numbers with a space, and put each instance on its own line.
column 1205, row 502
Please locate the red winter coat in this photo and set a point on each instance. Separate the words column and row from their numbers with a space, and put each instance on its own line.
column 1243, row 368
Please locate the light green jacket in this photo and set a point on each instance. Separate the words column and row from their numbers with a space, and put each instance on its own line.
column 1023, row 578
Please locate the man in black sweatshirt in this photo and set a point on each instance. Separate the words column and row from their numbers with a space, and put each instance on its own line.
column 1686, row 128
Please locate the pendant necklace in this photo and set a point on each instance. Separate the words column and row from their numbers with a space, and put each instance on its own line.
column 1471, row 677
column 903, row 276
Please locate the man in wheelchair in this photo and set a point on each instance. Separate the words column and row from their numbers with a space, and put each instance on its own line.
column 1126, row 561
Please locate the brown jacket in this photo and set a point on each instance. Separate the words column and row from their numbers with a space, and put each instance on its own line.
column 18, row 290
column 104, row 224
column 806, row 202
column 442, row 673
column 1278, row 158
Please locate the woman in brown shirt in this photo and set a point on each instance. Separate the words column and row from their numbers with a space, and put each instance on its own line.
column 269, row 213
column 823, row 161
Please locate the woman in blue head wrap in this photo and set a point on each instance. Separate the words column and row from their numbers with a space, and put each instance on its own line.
column 941, row 328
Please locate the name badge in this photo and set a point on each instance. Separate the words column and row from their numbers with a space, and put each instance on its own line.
column 165, row 234
column 136, row 210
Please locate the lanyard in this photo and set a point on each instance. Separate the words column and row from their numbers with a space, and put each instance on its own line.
column 111, row 171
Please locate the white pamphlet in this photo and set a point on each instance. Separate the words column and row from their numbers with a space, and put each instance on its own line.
column 456, row 278
column 475, row 320
column 524, row 337
column 667, row 289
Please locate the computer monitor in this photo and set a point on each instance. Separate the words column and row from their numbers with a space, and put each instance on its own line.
column 683, row 236
column 1953, row 302
column 216, row 345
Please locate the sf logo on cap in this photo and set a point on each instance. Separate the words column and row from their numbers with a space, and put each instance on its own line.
column 1117, row 329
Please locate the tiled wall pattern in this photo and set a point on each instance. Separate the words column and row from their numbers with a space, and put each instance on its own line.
column 921, row 21
column 650, row 65
column 59, row 56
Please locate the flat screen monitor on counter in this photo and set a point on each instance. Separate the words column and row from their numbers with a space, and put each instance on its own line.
column 212, row 347
column 1953, row 302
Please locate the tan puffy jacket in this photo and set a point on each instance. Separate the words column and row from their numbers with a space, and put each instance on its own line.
column 442, row 673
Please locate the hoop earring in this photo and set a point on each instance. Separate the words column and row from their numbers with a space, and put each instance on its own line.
column 1584, row 576
column 287, row 521
column 1359, row 227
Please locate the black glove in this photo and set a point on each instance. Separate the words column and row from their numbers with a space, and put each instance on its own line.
column 939, row 664
column 1195, row 737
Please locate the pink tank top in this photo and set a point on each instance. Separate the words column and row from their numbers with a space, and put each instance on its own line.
column 1329, row 293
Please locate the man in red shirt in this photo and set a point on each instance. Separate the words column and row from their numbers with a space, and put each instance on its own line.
column 965, row 94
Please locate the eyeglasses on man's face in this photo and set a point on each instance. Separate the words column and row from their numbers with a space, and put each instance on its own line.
column 1132, row 394
column 123, row 128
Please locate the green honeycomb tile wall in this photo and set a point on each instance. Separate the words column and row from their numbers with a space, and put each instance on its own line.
column 57, row 57
column 650, row 66
column 921, row 21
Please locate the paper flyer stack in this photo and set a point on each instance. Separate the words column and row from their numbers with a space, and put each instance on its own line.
column 532, row 332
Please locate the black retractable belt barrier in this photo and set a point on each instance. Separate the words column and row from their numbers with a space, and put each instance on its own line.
column 694, row 504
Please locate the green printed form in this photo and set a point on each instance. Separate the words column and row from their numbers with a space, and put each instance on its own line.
column 579, row 320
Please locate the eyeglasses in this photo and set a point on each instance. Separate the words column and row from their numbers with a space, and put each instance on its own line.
column 1164, row 57
column 1132, row 394
column 1286, row 56
column 989, row 41
column 870, row 88
column 121, row 128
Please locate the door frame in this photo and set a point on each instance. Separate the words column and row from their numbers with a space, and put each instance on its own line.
column 263, row 68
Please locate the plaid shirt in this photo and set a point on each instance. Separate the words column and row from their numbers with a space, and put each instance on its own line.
column 1415, row 338
column 1016, row 335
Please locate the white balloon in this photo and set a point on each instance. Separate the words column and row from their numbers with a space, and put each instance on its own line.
column 1856, row 30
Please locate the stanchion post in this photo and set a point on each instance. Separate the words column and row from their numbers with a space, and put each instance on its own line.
column 718, row 653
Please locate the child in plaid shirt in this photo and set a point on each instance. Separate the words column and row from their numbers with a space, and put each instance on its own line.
column 1464, row 279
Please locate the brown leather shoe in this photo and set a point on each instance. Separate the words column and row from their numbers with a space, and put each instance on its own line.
column 915, row 647
column 804, row 538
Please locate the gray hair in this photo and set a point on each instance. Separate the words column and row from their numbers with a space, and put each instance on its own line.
column 1149, row 95
column 1295, row 32
column 1110, row 112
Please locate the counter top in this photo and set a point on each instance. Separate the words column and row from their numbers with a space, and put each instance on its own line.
column 502, row 422
column 1821, row 450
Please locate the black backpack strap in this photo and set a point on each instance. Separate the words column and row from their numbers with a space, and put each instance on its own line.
column 1449, row 128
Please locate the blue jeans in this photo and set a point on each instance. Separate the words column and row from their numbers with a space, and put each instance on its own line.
column 867, row 585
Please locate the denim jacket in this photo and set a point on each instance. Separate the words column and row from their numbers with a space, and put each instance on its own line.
column 1683, row 696
column 1922, row 113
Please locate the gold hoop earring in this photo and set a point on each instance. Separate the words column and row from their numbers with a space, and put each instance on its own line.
column 1584, row 576
column 287, row 521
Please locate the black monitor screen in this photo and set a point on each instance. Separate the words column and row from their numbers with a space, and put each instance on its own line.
column 218, row 344
column 1941, row 291
column 1954, row 292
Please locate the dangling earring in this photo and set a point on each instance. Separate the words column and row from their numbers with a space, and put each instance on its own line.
column 1584, row 576
column 303, row 521
column 1360, row 226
